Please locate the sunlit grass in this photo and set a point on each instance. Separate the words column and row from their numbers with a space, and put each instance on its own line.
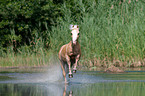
column 110, row 32
column 32, row 60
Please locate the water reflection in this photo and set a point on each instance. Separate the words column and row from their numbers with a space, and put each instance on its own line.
column 100, row 89
column 65, row 92
column 83, row 84
column 58, row 90
column 34, row 90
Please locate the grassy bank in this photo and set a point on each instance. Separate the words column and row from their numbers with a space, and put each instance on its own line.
column 27, row 60
column 111, row 32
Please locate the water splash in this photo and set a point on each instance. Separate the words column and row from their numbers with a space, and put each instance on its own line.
column 54, row 74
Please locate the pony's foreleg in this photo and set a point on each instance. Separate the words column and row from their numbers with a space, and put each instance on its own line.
column 63, row 70
column 69, row 65
column 75, row 65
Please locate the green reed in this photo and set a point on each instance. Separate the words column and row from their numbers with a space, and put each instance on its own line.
column 112, row 31
column 109, row 30
column 33, row 55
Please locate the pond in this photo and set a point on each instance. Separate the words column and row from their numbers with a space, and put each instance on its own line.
column 84, row 83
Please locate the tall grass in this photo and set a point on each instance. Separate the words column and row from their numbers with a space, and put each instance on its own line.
column 110, row 32
column 34, row 55
column 23, row 59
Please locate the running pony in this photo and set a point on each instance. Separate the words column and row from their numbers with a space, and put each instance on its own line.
column 70, row 53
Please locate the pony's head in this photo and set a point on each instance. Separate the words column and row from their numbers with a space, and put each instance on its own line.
column 75, row 33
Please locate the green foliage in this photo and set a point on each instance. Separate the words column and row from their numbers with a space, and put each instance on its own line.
column 21, row 21
column 109, row 29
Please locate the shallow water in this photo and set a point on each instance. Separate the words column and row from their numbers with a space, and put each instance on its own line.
column 90, row 83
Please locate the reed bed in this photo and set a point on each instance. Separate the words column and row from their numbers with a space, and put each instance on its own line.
column 111, row 32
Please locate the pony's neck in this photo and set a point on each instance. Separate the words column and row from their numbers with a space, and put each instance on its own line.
column 73, row 45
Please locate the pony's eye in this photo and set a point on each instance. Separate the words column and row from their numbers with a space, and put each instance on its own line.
column 78, row 33
column 71, row 33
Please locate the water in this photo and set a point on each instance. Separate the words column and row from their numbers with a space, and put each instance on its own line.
column 92, row 83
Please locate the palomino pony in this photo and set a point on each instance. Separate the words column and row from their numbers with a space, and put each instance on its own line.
column 70, row 53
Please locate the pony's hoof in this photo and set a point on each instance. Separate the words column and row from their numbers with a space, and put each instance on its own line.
column 70, row 75
column 74, row 71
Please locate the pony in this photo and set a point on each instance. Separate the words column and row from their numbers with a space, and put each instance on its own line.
column 69, row 54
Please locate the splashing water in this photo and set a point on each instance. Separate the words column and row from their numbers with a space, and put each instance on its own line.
column 54, row 74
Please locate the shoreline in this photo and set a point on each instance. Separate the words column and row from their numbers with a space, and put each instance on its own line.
column 23, row 69
column 80, row 68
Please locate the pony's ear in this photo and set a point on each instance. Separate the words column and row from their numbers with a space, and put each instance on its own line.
column 71, row 27
column 76, row 26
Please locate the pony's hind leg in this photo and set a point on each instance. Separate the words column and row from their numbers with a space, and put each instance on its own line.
column 66, row 68
column 63, row 70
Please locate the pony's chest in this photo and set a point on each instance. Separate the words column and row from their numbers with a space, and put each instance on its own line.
column 72, row 59
column 73, row 50
column 74, row 53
